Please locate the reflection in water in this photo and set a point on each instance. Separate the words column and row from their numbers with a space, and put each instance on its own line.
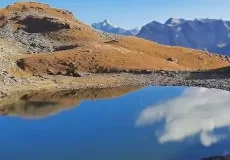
column 47, row 103
column 185, row 121
column 197, row 111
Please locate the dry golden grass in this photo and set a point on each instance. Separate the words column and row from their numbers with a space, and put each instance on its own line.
column 95, row 53
column 127, row 53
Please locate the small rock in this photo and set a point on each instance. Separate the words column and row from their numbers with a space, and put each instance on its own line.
column 171, row 60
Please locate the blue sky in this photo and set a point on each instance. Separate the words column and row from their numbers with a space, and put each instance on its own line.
column 136, row 13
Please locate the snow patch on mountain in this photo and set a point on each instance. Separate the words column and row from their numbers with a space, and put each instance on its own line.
column 174, row 22
column 203, row 34
column 107, row 26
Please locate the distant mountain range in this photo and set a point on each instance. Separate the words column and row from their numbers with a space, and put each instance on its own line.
column 106, row 26
column 211, row 35
column 205, row 34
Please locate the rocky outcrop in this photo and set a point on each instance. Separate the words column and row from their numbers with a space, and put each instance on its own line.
column 38, row 27
column 29, row 25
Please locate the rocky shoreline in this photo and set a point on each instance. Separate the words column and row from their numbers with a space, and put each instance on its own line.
column 11, row 95
column 216, row 80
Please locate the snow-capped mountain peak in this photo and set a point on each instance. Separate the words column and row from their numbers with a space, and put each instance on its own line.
column 106, row 22
column 203, row 34
column 107, row 26
column 174, row 21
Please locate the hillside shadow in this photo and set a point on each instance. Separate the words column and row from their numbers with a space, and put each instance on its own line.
column 219, row 73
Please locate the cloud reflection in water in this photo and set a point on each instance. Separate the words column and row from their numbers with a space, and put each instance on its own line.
column 198, row 111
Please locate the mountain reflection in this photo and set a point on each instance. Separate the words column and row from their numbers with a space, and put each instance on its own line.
column 37, row 105
column 197, row 111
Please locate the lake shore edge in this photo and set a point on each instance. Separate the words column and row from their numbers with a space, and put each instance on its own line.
column 215, row 80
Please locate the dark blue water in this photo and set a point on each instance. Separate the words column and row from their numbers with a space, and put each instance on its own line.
column 154, row 123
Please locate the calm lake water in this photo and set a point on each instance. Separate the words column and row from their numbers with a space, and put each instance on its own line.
column 154, row 123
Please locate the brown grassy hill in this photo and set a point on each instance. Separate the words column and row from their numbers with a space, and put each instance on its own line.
column 77, row 47
column 127, row 53
column 40, row 28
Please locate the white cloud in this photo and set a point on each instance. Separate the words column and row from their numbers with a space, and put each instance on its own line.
column 196, row 111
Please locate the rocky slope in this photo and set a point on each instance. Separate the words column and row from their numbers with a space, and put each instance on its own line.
column 108, row 27
column 47, row 47
column 205, row 34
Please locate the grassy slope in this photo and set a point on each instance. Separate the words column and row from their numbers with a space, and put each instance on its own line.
column 127, row 53
column 95, row 53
